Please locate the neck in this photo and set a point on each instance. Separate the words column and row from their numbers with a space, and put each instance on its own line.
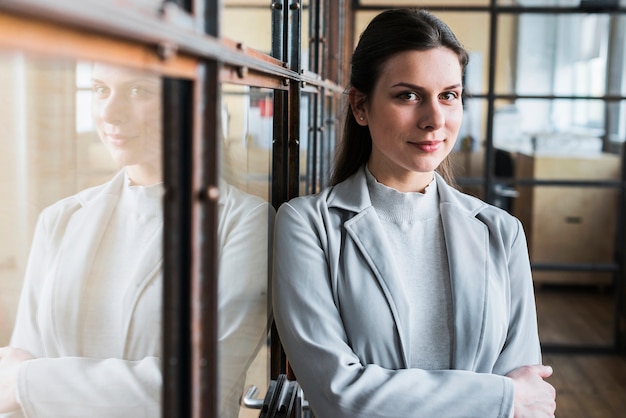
column 144, row 175
column 406, row 182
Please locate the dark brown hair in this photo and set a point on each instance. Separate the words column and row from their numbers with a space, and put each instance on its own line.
column 391, row 32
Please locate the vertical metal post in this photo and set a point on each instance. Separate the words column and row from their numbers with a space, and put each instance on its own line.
column 177, row 105
column 489, row 172
column 294, row 55
column 204, row 214
column 279, row 159
column 204, row 265
column 614, row 82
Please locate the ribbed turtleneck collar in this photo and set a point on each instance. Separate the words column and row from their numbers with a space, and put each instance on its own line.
column 401, row 207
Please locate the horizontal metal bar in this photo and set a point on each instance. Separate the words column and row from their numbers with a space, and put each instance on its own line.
column 616, row 184
column 553, row 348
column 503, row 9
column 606, row 267
column 139, row 26
column 314, row 79
column 479, row 181
column 607, row 98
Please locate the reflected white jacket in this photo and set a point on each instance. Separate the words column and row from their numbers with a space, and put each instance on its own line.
column 341, row 312
column 61, row 383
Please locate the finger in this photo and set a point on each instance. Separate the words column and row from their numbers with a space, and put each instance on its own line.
column 544, row 371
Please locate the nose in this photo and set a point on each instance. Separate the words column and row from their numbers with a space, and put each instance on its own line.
column 115, row 109
column 432, row 116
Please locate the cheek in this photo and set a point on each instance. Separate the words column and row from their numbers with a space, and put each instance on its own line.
column 96, row 114
column 151, row 117
column 387, row 121
column 454, row 119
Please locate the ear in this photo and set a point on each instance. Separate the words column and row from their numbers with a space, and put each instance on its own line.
column 357, row 105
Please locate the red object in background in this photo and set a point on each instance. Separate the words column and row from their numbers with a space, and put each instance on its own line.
column 267, row 107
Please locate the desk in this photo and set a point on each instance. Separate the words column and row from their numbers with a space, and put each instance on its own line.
column 568, row 224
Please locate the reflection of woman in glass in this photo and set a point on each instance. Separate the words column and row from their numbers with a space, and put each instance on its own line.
column 87, row 339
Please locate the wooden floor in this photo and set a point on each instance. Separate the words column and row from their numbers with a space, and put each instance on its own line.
column 578, row 316
column 588, row 386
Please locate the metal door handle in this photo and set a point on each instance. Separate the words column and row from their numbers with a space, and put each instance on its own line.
column 279, row 401
column 250, row 400
column 500, row 190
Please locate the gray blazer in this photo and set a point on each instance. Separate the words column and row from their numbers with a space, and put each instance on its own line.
column 341, row 312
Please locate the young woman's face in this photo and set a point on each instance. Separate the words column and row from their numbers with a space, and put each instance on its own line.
column 414, row 115
column 126, row 108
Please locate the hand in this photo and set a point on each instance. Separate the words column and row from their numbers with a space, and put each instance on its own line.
column 10, row 361
column 534, row 397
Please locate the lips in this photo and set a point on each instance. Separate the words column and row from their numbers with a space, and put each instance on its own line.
column 119, row 138
column 427, row 146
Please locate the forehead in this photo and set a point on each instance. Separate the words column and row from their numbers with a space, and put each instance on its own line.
column 433, row 66
column 114, row 73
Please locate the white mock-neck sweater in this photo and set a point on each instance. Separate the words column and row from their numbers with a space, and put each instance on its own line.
column 414, row 234
column 136, row 219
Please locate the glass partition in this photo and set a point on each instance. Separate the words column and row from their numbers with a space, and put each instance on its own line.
column 564, row 54
column 248, row 22
column 81, row 236
column 244, row 226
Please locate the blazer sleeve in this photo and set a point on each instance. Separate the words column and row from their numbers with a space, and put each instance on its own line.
column 98, row 388
column 26, row 333
column 243, row 300
column 334, row 380
column 522, row 346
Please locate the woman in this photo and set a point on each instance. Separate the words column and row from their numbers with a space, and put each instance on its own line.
column 87, row 339
column 395, row 295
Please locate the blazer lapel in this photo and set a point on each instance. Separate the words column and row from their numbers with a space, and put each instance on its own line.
column 148, row 269
column 366, row 232
column 80, row 244
column 467, row 248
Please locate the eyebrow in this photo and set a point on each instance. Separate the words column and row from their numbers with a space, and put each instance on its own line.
column 129, row 82
column 415, row 87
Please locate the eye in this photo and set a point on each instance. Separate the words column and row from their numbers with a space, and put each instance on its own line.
column 449, row 96
column 100, row 90
column 142, row 92
column 138, row 91
column 409, row 96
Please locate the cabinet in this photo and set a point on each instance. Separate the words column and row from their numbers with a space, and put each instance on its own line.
column 568, row 224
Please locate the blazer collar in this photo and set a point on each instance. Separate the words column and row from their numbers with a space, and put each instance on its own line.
column 353, row 195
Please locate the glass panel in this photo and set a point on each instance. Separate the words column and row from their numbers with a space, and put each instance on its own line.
column 308, row 144
column 307, row 37
column 248, row 22
column 332, row 128
column 570, row 127
column 81, row 237
column 245, row 223
column 562, row 55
